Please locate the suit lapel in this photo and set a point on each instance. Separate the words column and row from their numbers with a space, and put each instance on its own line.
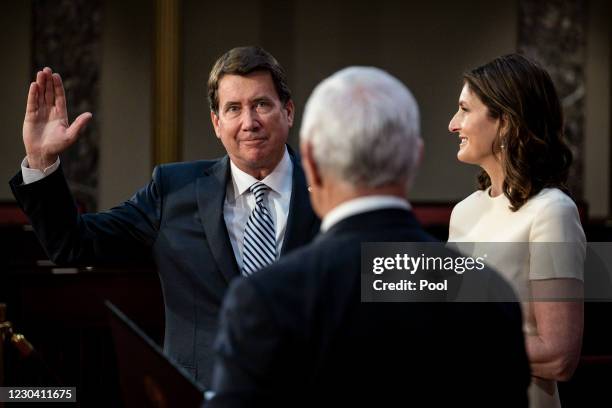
column 210, row 193
column 301, row 221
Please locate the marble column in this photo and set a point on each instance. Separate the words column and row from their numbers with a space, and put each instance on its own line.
column 66, row 37
column 553, row 33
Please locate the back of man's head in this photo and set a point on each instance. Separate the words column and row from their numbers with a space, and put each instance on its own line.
column 363, row 126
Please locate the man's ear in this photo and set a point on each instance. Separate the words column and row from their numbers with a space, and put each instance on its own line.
column 311, row 169
column 290, row 109
column 215, row 122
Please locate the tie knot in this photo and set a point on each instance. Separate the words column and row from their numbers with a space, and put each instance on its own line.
column 259, row 189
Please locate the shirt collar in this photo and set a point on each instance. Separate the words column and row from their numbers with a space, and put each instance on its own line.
column 279, row 180
column 361, row 205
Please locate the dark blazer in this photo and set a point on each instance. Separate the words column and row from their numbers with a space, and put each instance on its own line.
column 178, row 219
column 296, row 334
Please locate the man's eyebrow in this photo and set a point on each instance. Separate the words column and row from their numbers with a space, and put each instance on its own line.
column 230, row 103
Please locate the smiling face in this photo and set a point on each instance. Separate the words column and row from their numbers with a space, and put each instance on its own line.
column 476, row 129
column 252, row 122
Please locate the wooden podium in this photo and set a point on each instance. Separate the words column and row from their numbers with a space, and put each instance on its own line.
column 61, row 312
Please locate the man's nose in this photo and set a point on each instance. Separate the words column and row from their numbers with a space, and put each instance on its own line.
column 250, row 120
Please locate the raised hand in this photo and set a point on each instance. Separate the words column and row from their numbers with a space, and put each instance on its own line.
column 46, row 131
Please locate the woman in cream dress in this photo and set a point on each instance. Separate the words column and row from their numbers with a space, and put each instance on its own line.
column 510, row 123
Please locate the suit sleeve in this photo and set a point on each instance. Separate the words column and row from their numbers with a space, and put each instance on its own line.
column 119, row 235
column 248, row 348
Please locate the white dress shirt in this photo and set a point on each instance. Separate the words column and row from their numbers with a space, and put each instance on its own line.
column 239, row 203
column 362, row 205
column 31, row 175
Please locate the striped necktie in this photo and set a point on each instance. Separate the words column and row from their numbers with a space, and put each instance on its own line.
column 259, row 249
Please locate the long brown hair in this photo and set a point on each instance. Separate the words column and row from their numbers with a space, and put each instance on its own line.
column 534, row 154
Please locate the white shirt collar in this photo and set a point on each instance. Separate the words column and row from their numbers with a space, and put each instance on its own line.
column 279, row 180
column 361, row 205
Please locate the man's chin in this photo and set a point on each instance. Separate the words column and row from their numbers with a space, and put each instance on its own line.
column 261, row 160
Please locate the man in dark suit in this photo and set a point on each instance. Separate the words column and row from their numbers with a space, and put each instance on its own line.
column 296, row 334
column 192, row 217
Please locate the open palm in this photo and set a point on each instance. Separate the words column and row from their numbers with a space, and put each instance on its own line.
column 46, row 131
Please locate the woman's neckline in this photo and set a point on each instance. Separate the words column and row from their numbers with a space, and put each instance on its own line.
column 498, row 197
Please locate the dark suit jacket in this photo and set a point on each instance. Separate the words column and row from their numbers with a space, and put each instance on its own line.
column 178, row 218
column 296, row 334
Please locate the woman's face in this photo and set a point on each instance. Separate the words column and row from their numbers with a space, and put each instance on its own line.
column 475, row 128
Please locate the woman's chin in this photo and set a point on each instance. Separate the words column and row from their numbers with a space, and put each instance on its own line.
column 463, row 158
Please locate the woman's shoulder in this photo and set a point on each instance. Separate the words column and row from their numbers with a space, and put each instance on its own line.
column 550, row 199
column 478, row 196
column 555, row 217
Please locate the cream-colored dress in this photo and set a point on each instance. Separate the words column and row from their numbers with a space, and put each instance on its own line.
column 549, row 217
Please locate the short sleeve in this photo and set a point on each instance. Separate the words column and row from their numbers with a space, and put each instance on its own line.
column 557, row 243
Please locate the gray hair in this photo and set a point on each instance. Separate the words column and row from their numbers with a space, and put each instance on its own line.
column 363, row 125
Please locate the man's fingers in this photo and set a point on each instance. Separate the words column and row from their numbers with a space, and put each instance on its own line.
column 49, row 91
column 32, row 104
column 40, row 82
column 78, row 125
column 60, row 95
